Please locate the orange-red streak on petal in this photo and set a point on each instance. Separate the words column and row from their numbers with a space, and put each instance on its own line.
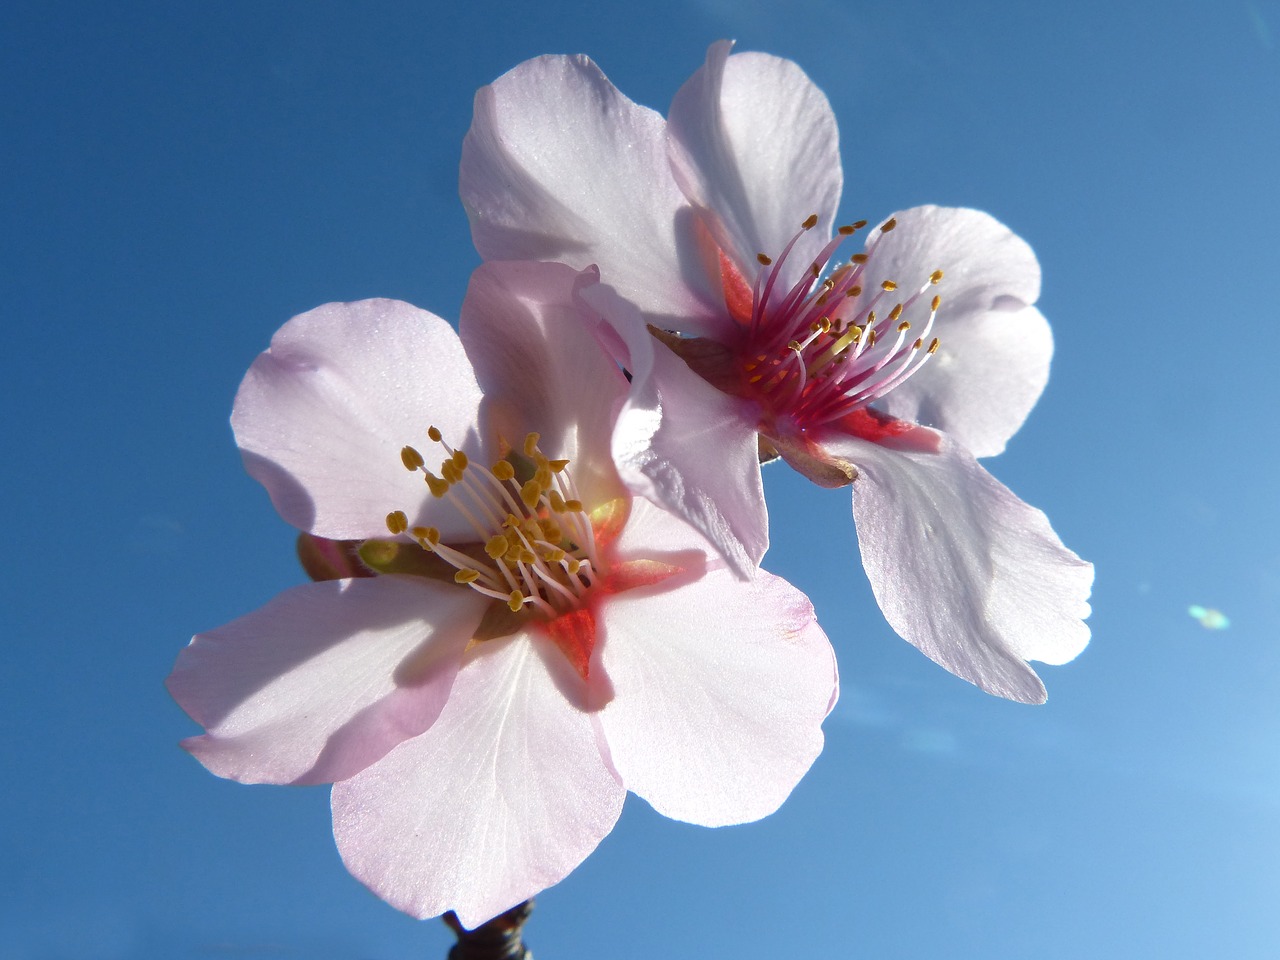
column 867, row 423
column 575, row 632
column 739, row 298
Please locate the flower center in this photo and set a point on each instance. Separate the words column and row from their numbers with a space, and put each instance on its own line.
column 828, row 347
column 539, row 548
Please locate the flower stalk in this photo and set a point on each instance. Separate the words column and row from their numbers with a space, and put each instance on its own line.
column 501, row 938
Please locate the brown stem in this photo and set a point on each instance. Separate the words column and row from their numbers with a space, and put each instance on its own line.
column 496, row 939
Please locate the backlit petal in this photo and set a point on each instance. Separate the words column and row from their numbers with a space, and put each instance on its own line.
column 720, row 689
column 685, row 445
column 994, row 347
column 503, row 796
column 754, row 143
column 324, row 679
column 559, row 165
column 541, row 368
column 965, row 570
column 322, row 415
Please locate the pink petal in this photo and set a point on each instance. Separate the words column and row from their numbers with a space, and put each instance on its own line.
column 559, row 165
column 541, row 368
column 720, row 689
column 754, row 142
column 685, row 445
column 501, row 798
column 322, row 415
column 325, row 679
column 965, row 570
column 994, row 348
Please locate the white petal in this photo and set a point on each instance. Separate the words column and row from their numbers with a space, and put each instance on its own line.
column 503, row 796
column 755, row 143
column 325, row 679
column 720, row 689
column 542, row 369
column 965, row 570
column 994, row 348
column 685, row 445
column 559, row 165
column 322, row 415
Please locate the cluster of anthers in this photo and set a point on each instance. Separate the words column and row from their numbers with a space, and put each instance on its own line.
column 539, row 548
column 827, row 347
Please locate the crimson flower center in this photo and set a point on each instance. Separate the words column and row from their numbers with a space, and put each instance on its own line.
column 827, row 346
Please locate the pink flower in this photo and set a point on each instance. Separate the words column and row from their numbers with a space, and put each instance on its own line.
column 537, row 641
column 890, row 371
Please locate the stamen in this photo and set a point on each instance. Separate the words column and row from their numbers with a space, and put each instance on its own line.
column 411, row 459
column 817, row 350
column 538, row 541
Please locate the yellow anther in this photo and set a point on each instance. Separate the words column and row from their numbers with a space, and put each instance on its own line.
column 764, row 261
column 531, row 493
column 889, row 225
column 573, row 566
column 846, row 230
column 895, row 313
column 810, row 222
column 411, row 458
column 858, row 258
column 871, row 338
column 450, row 472
column 871, row 317
column 543, row 476
column 859, row 224
column 554, row 555
column 528, row 556
column 435, row 435
column 828, row 284
column 573, row 505
column 512, row 522
column 557, row 501
column 497, row 546
column 793, row 345
column 437, row 486
column 933, row 347
column 551, row 531
column 888, row 285
column 917, row 345
column 397, row 522
column 430, row 534
column 823, row 324
column 466, row 575
column 557, row 466
column 502, row 470
column 935, row 277
column 531, row 443
column 937, row 302
column 904, row 326
column 460, row 459
column 853, row 292
column 515, row 601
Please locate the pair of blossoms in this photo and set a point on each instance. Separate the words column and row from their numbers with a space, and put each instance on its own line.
column 569, row 607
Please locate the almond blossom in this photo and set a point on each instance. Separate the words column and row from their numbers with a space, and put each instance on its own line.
column 535, row 642
column 891, row 370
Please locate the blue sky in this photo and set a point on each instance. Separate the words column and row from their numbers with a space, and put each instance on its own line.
column 180, row 178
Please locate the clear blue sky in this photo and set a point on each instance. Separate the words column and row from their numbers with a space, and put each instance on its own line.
column 179, row 178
